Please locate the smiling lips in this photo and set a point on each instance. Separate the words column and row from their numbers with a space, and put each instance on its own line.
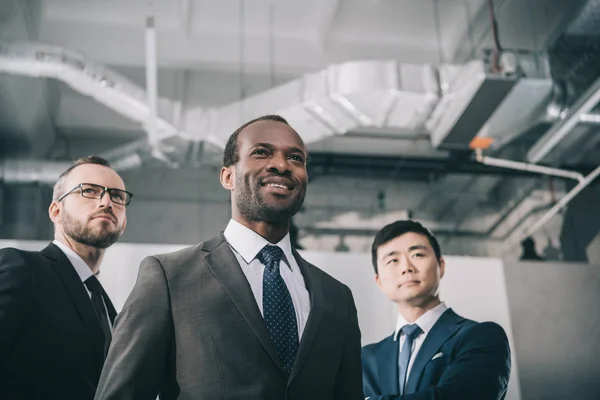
column 278, row 183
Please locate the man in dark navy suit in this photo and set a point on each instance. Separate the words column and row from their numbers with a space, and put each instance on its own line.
column 434, row 353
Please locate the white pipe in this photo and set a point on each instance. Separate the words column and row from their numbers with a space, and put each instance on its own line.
column 47, row 172
column 151, row 80
column 521, row 166
column 561, row 129
column 31, row 171
column 563, row 202
column 185, row 14
column 590, row 118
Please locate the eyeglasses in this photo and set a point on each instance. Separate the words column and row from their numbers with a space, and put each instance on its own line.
column 92, row 191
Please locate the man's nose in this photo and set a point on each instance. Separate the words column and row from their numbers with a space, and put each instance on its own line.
column 279, row 163
column 405, row 265
column 105, row 200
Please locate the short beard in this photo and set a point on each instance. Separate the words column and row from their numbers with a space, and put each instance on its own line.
column 79, row 232
column 254, row 208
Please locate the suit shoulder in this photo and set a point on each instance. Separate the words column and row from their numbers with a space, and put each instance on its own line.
column 374, row 347
column 487, row 332
column 489, row 328
column 178, row 256
column 11, row 252
column 15, row 258
column 16, row 269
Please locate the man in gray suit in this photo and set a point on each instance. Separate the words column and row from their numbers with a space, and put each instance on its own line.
column 241, row 316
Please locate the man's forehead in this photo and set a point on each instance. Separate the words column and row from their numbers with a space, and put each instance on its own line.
column 97, row 174
column 270, row 132
column 407, row 241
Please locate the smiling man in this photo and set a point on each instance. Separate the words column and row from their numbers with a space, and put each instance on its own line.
column 241, row 316
column 55, row 318
column 434, row 354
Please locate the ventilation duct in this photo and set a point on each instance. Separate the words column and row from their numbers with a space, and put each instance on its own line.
column 29, row 171
column 338, row 99
column 333, row 101
column 472, row 96
column 88, row 78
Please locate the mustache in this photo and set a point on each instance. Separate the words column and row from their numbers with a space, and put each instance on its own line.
column 287, row 175
column 104, row 213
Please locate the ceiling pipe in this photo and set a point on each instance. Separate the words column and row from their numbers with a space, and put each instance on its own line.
column 562, row 203
column 521, row 166
column 561, row 129
column 21, row 171
column 29, row 171
column 151, row 81
column 105, row 86
column 583, row 182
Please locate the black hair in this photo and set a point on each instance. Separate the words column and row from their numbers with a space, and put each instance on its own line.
column 231, row 155
column 399, row 228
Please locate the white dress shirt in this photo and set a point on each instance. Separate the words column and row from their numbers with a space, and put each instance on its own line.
column 425, row 322
column 82, row 269
column 246, row 244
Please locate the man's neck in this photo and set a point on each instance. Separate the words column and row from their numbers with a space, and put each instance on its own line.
column 92, row 256
column 271, row 231
column 411, row 312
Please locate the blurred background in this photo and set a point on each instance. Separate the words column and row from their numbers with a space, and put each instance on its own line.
column 388, row 94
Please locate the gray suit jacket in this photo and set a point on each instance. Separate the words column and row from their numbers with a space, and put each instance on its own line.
column 191, row 329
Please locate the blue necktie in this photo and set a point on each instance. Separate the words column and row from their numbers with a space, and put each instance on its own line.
column 410, row 332
column 278, row 309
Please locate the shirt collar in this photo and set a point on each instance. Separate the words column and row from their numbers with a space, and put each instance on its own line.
column 425, row 321
column 248, row 243
column 80, row 266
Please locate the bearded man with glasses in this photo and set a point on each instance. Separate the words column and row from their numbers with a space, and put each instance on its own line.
column 55, row 317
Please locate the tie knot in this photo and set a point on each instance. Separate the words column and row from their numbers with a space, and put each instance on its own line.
column 411, row 331
column 93, row 284
column 270, row 254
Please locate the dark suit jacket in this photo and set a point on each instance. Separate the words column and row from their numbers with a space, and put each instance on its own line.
column 51, row 342
column 475, row 363
column 191, row 329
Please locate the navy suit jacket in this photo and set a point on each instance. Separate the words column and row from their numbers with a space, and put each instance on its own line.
column 474, row 363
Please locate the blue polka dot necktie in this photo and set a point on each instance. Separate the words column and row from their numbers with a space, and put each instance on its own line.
column 278, row 309
column 410, row 332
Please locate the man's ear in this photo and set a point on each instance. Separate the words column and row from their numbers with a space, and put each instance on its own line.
column 54, row 211
column 378, row 281
column 227, row 177
column 442, row 263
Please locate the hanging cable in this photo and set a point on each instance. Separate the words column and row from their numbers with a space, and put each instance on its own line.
column 497, row 48
column 272, row 44
column 242, row 31
column 438, row 31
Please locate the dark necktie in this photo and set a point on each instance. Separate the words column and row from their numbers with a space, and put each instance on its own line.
column 278, row 309
column 95, row 288
column 410, row 332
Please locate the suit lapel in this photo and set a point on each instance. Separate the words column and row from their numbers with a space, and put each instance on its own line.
column 78, row 293
column 444, row 329
column 387, row 366
column 112, row 312
column 314, row 318
column 226, row 269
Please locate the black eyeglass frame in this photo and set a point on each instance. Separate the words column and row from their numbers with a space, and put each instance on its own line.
column 104, row 190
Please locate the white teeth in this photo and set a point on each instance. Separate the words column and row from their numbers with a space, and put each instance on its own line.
column 277, row 185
